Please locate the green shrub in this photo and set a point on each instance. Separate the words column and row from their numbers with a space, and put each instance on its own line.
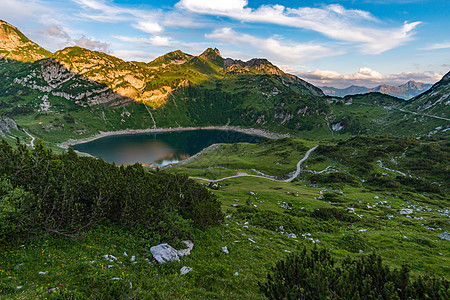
column 352, row 243
column 74, row 193
column 315, row 275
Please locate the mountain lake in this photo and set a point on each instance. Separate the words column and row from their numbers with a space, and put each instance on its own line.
column 161, row 148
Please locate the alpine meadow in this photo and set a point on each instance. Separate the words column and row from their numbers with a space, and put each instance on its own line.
column 126, row 173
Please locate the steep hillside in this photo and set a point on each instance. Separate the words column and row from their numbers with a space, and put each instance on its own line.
column 435, row 101
column 14, row 45
column 75, row 93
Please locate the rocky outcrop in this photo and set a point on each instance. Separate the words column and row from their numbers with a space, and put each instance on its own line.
column 6, row 125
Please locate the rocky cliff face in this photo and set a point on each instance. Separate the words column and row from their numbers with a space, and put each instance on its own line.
column 6, row 125
column 14, row 45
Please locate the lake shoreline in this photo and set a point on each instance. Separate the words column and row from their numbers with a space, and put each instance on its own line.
column 101, row 134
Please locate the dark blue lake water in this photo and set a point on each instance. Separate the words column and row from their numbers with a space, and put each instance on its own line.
column 160, row 148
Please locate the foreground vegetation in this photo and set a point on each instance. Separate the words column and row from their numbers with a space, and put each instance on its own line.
column 265, row 221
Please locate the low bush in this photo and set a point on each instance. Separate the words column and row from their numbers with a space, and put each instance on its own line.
column 44, row 193
column 316, row 275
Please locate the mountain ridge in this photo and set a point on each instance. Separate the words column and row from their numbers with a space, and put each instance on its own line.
column 405, row 91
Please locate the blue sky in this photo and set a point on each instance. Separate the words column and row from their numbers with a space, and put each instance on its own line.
column 335, row 43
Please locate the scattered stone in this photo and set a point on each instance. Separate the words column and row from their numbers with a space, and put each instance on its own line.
column 19, row 287
column 164, row 252
column 234, row 205
column 133, row 258
column 361, row 251
column 292, row 235
column 376, row 197
column 184, row 270
column 225, row 250
column 405, row 211
column 252, row 194
column 445, row 236
column 351, row 210
column 236, row 274
column 110, row 266
column 189, row 244
column 362, row 230
column 405, row 237
column 110, row 257
column 125, row 254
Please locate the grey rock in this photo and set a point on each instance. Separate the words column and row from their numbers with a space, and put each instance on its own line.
column 405, row 211
column 164, row 252
column 189, row 244
column 225, row 250
column 184, row 270
column 445, row 236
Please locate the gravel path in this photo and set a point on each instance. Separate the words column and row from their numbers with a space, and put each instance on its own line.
column 295, row 175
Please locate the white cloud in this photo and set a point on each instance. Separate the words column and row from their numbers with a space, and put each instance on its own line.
column 287, row 52
column 437, row 46
column 64, row 39
column 90, row 43
column 334, row 21
column 159, row 41
column 364, row 76
column 211, row 6
column 129, row 55
column 149, row 27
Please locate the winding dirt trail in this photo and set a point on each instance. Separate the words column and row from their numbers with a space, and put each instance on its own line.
column 32, row 138
column 295, row 175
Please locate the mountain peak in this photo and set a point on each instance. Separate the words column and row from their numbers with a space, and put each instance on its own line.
column 211, row 53
column 15, row 45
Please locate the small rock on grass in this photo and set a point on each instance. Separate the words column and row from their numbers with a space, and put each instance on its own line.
column 225, row 250
column 184, row 270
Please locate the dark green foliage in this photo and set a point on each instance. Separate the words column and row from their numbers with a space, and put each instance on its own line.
column 293, row 221
column 65, row 194
column 352, row 243
column 21, row 110
column 335, row 177
column 332, row 214
column 316, row 275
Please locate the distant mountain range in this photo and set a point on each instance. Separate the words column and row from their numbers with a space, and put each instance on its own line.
column 76, row 93
column 405, row 91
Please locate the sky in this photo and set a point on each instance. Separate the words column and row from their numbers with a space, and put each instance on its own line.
column 332, row 43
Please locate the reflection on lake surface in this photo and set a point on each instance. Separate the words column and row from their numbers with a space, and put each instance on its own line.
column 160, row 148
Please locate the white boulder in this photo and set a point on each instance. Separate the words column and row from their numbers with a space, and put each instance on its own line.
column 184, row 270
column 189, row 244
column 405, row 211
column 163, row 253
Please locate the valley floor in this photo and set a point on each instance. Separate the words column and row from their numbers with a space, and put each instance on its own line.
column 265, row 221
